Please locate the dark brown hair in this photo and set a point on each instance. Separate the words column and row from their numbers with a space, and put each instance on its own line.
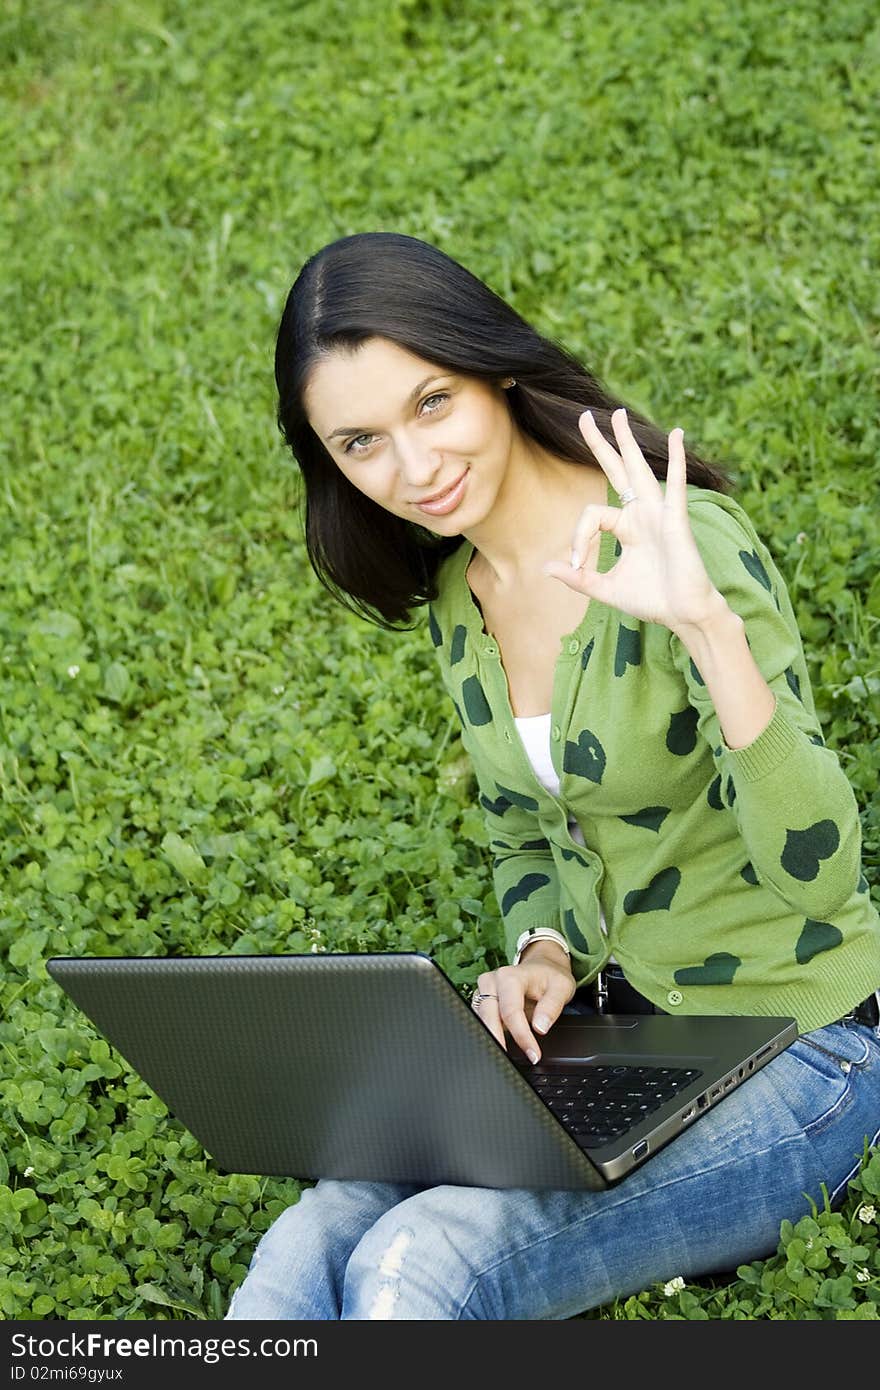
column 386, row 285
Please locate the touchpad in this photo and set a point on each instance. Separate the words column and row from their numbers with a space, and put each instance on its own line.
column 575, row 1022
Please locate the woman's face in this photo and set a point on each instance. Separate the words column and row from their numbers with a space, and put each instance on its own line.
column 405, row 431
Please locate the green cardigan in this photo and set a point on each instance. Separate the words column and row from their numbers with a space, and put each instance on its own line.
column 730, row 879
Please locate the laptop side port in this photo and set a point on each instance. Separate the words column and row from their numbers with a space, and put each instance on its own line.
column 688, row 1114
column 640, row 1149
column 703, row 1101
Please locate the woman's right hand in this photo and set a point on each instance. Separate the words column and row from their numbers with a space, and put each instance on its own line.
column 532, row 993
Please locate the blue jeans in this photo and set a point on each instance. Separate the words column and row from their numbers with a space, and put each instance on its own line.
column 712, row 1199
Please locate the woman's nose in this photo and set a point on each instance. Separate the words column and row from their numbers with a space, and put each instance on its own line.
column 418, row 465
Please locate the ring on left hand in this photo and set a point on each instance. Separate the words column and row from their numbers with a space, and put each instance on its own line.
column 630, row 495
column 478, row 996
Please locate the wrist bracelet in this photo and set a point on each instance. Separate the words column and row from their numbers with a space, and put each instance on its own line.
column 539, row 934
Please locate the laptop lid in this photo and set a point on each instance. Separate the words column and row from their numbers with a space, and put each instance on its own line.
column 365, row 1066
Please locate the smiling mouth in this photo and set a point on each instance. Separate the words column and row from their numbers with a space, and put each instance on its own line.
column 444, row 501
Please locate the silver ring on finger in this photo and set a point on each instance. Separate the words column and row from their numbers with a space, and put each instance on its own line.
column 478, row 996
column 630, row 495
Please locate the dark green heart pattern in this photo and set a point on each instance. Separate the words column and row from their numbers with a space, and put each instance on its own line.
column 681, row 736
column 862, row 885
column 475, row 702
column 755, row 568
column 805, row 849
column 522, row 891
column 629, row 649
column 794, row 684
column 528, row 803
column 650, row 817
column 587, row 653
column 456, row 646
column 573, row 932
column 586, row 758
column 498, row 807
column 713, row 795
column 731, row 792
column 815, row 938
column 541, row 845
column 434, row 629
column 658, row 895
column 718, row 969
column 508, row 851
column 748, row 873
column 695, row 673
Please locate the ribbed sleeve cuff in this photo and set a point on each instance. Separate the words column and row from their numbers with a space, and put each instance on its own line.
column 768, row 750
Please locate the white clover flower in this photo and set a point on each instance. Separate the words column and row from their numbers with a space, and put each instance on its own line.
column 801, row 537
column 673, row 1286
column 29, row 1171
column 867, row 1214
column 73, row 672
column 277, row 689
column 863, row 1275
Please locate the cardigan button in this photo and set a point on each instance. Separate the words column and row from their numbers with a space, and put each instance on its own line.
column 574, row 646
column 556, row 733
column 490, row 649
column 675, row 996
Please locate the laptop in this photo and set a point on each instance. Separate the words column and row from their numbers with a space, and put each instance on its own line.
column 373, row 1066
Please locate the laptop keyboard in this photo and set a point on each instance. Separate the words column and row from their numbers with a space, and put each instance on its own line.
column 603, row 1102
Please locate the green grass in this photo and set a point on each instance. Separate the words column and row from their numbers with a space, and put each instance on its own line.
column 198, row 750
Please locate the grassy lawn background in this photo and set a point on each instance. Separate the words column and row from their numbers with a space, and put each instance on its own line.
column 199, row 751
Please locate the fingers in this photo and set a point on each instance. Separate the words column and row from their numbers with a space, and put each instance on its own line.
column 500, row 1003
column 676, row 472
column 591, row 582
column 627, row 469
column 485, row 1005
column 605, row 453
column 550, row 1004
column 593, row 518
column 512, row 1005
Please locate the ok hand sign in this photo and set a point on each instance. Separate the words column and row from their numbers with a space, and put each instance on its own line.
column 660, row 576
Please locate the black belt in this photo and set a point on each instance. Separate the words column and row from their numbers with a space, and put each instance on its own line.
column 866, row 1012
column 612, row 993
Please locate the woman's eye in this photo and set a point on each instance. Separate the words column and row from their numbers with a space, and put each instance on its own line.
column 355, row 446
column 352, row 447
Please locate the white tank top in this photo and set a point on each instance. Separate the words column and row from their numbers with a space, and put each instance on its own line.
column 534, row 730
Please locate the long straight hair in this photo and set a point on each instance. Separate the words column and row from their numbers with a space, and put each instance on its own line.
column 387, row 285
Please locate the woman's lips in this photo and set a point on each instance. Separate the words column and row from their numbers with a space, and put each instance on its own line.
column 448, row 502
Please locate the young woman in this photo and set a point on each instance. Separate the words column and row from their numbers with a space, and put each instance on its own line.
column 665, row 818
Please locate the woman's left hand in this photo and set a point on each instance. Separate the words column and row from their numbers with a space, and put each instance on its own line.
column 660, row 576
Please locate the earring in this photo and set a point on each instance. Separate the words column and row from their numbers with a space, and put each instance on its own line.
column 511, row 381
